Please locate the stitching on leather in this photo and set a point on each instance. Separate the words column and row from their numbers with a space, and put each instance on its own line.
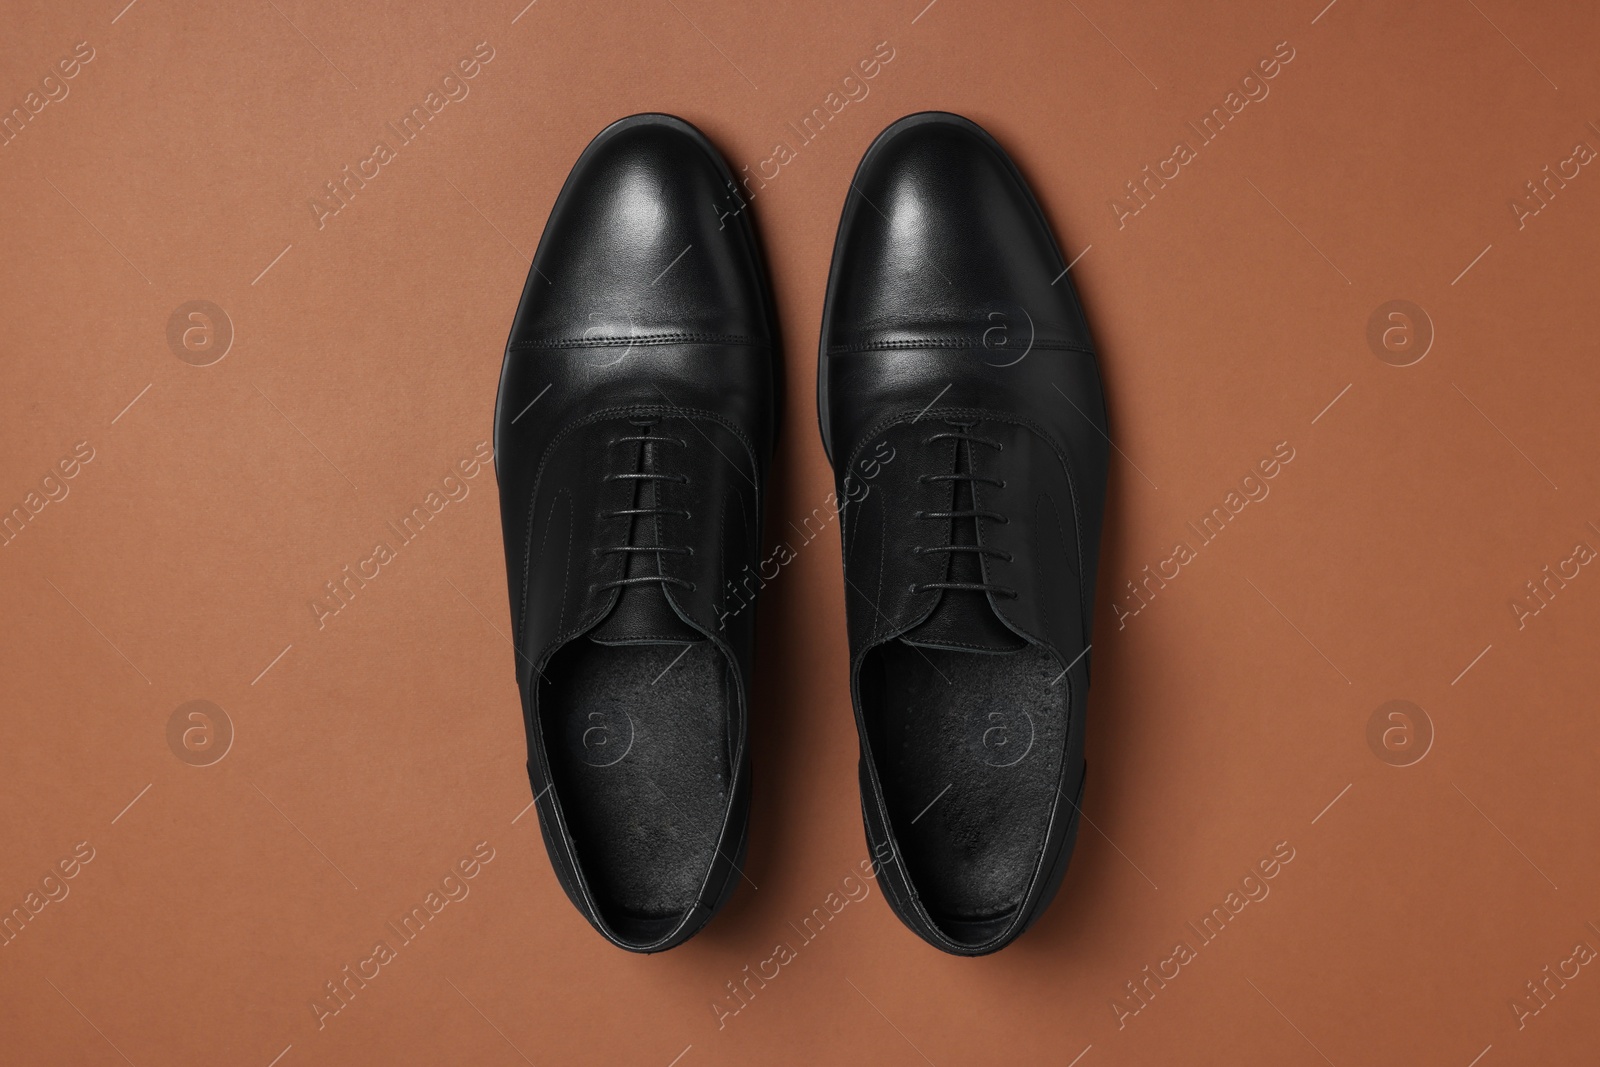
column 1038, row 546
column 722, row 550
column 666, row 411
column 543, row 541
column 891, row 421
column 950, row 342
column 672, row 338
column 883, row 551
column 566, row 573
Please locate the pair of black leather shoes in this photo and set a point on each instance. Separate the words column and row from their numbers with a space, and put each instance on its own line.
column 961, row 408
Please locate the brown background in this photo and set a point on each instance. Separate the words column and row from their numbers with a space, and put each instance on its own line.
column 1227, row 716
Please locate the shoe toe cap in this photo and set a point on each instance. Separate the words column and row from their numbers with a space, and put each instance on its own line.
column 644, row 241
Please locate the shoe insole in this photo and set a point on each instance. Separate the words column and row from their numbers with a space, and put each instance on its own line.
column 969, row 748
column 637, row 738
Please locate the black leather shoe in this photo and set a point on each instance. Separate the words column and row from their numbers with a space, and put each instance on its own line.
column 633, row 433
column 961, row 408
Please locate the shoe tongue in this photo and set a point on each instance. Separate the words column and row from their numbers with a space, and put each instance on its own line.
column 963, row 620
column 642, row 615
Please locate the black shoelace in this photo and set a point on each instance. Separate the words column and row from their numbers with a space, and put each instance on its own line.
column 975, row 514
column 646, row 493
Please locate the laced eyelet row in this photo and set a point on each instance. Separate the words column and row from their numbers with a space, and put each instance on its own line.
column 645, row 477
column 961, row 432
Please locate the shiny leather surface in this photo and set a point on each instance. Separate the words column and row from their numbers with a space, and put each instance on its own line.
column 949, row 304
column 646, row 304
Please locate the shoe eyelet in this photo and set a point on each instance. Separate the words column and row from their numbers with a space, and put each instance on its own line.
column 693, row 587
column 1002, row 483
column 913, row 589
